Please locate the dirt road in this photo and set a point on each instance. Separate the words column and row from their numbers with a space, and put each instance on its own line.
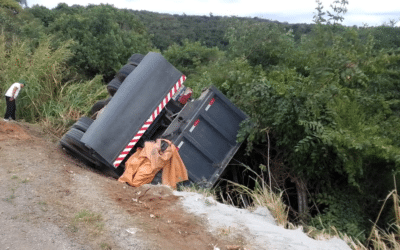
column 48, row 200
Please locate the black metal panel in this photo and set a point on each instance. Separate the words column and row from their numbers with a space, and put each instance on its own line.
column 205, row 132
column 136, row 99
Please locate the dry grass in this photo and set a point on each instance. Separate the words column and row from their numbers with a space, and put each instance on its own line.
column 206, row 192
column 262, row 195
column 380, row 239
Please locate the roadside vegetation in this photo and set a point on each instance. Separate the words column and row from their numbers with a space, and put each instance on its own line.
column 322, row 147
column 88, row 219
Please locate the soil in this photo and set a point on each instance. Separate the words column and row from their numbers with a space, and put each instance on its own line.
column 49, row 200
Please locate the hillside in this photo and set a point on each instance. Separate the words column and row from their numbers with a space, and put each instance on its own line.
column 210, row 30
column 52, row 201
column 323, row 99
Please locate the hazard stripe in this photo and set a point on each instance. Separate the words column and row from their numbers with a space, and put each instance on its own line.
column 149, row 121
column 194, row 125
column 180, row 145
column 210, row 103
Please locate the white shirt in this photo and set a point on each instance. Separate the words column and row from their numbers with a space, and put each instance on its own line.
column 10, row 90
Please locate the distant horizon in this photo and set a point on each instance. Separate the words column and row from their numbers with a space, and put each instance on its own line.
column 289, row 11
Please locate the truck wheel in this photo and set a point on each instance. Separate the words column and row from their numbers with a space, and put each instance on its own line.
column 113, row 86
column 135, row 59
column 83, row 123
column 125, row 71
column 71, row 142
column 99, row 105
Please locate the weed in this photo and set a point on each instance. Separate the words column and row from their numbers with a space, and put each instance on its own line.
column 14, row 177
column 99, row 226
column 105, row 246
column 25, row 180
column 224, row 231
column 206, row 192
column 91, row 220
column 209, row 202
column 43, row 206
column 73, row 228
column 88, row 216
column 10, row 198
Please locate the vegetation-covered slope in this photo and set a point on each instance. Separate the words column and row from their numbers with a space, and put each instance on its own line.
column 323, row 99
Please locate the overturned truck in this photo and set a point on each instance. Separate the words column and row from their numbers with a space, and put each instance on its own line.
column 149, row 101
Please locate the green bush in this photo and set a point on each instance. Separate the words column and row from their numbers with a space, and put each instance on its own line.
column 343, row 211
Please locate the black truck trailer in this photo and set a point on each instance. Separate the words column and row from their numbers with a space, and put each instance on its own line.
column 146, row 104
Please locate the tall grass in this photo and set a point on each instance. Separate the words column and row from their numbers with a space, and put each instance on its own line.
column 73, row 101
column 379, row 239
column 54, row 96
column 262, row 195
column 387, row 239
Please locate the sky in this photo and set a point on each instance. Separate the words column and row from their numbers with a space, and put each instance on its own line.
column 360, row 12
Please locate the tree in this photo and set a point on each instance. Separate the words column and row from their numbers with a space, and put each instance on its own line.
column 339, row 9
column 191, row 55
column 104, row 36
column 265, row 44
column 331, row 108
column 10, row 4
column 17, row 23
column 23, row 3
column 42, row 13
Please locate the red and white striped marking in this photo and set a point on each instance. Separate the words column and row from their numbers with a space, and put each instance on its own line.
column 180, row 145
column 149, row 121
column 210, row 103
column 194, row 125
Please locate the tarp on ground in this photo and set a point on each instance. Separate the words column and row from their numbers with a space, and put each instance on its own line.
column 146, row 162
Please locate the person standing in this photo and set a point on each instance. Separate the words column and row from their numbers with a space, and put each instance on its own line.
column 11, row 95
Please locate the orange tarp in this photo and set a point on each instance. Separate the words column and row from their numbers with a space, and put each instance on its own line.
column 145, row 163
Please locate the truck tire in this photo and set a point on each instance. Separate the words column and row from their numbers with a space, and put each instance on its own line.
column 83, row 123
column 113, row 86
column 125, row 71
column 135, row 59
column 99, row 105
column 71, row 142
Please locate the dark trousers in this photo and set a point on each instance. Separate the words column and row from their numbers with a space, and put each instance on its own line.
column 11, row 107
